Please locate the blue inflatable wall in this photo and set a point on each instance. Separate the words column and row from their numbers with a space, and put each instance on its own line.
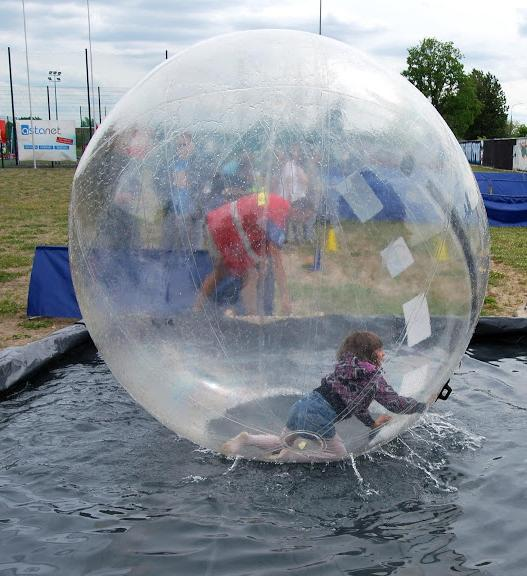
column 505, row 197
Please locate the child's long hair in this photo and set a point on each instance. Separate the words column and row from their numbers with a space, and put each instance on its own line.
column 362, row 345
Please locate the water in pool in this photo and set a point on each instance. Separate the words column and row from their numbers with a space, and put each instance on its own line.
column 91, row 484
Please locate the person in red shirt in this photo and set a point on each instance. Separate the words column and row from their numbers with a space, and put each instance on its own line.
column 244, row 235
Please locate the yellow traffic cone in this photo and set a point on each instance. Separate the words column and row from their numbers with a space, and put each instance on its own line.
column 331, row 240
column 441, row 250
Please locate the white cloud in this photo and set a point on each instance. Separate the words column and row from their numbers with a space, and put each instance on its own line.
column 129, row 38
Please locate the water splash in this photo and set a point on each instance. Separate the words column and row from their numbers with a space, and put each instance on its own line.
column 365, row 488
column 425, row 448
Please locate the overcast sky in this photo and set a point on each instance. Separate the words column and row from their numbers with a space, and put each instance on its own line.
column 129, row 38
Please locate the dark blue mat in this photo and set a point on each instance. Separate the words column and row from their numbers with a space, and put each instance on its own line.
column 155, row 281
column 505, row 197
column 51, row 291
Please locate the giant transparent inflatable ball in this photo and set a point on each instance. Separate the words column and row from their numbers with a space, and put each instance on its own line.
column 249, row 205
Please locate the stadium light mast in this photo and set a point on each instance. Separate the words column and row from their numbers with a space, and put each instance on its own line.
column 55, row 77
column 29, row 89
column 91, row 62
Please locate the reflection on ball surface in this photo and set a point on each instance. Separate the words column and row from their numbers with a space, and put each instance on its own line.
column 245, row 208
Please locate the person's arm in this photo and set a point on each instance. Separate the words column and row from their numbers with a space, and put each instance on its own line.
column 388, row 397
column 280, row 276
column 365, row 417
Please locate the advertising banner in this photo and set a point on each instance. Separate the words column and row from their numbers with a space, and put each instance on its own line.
column 54, row 140
column 519, row 158
column 473, row 151
column 2, row 132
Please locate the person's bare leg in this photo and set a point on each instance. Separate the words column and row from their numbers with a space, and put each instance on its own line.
column 233, row 446
column 335, row 450
column 267, row 442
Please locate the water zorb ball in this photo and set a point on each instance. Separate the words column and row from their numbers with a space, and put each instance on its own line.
column 250, row 203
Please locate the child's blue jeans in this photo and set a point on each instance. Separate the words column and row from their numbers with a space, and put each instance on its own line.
column 313, row 413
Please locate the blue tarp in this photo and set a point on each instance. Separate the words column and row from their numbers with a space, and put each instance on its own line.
column 51, row 290
column 502, row 183
column 506, row 210
column 505, row 197
column 393, row 208
column 157, row 281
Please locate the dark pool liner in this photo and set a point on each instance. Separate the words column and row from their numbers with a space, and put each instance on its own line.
column 19, row 362
column 495, row 328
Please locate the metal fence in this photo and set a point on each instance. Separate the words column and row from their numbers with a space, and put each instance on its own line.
column 501, row 153
column 59, row 88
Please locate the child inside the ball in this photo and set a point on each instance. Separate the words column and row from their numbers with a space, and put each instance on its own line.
column 356, row 381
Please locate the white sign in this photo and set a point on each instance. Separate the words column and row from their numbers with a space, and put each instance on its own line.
column 397, row 257
column 417, row 318
column 54, row 140
column 360, row 197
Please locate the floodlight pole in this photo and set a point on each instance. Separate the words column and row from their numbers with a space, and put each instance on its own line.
column 56, row 105
column 29, row 89
column 49, row 115
column 88, row 87
column 99, row 94
column 91, row 61
column 320, row 18
column 54, row 76
column 12, row 106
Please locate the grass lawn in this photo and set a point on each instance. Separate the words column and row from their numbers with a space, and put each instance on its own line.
column 476, row 168
column 34, row 210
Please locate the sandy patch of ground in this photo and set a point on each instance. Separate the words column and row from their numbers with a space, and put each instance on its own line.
column 17, row 329
column 13, row 332
column 510, row 291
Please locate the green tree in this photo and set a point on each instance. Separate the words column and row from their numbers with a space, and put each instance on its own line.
column 435, row 68
column 519, row 130
column 491, row 120
column 85, row 122
column 460, row 109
